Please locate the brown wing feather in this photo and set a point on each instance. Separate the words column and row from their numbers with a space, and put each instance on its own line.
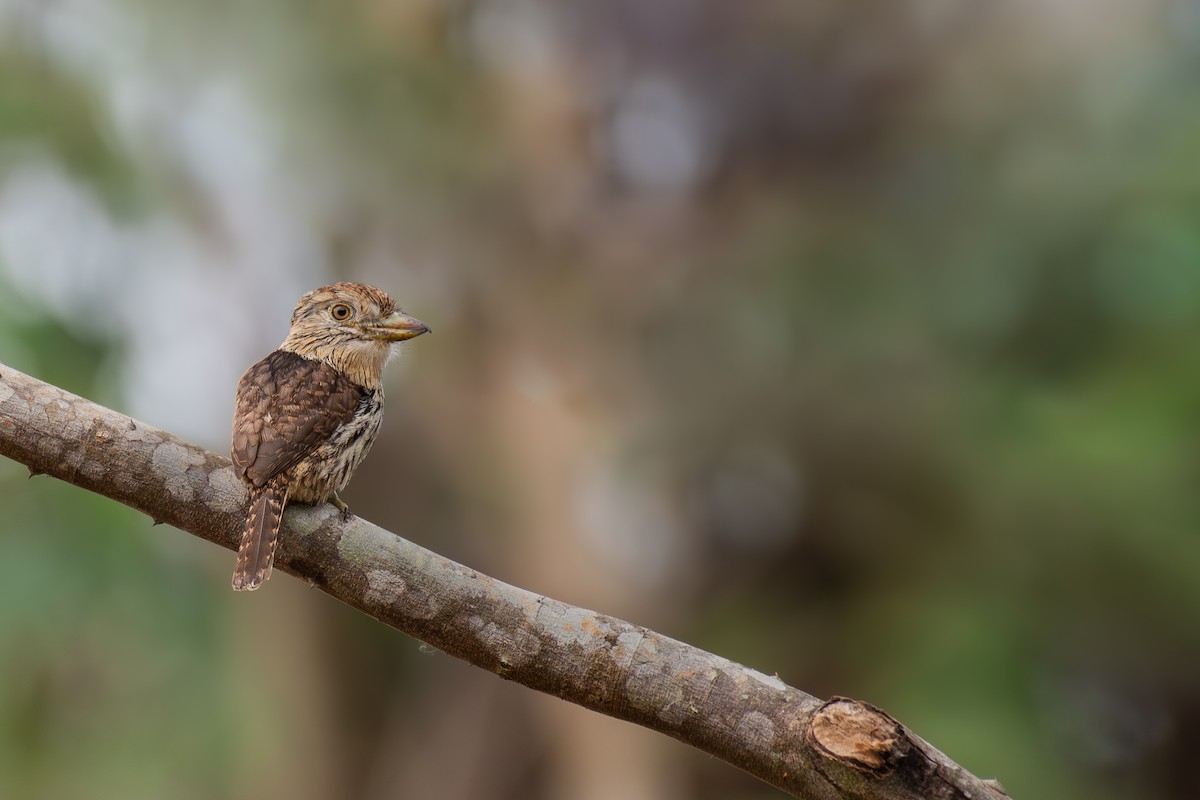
column 287, row 405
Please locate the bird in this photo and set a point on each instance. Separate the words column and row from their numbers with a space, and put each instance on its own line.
column 307, row 413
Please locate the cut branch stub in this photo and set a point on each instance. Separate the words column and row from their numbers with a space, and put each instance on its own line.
column 857, row 735
column 867, row 750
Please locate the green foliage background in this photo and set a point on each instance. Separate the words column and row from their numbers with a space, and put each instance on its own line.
column 893, row 388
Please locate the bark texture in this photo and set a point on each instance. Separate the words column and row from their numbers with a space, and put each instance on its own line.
column 809, row 748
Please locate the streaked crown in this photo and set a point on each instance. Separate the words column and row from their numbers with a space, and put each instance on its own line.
column 363, row 301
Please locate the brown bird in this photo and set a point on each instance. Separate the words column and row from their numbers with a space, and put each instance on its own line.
column 307, row 413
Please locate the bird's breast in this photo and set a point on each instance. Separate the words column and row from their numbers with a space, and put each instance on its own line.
column 333, row 463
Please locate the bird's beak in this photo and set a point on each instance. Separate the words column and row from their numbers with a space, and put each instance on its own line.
column 397, row 327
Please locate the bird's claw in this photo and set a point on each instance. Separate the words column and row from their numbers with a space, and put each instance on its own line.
column 347, row 514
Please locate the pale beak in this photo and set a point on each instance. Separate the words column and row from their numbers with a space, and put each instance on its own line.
column 397, row 327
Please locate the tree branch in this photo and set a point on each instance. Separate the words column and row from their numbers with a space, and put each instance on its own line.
column 809, row 748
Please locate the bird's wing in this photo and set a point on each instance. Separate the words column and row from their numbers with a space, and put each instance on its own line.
column 287, row 405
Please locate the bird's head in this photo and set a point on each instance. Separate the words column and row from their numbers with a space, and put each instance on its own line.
column 351, row 326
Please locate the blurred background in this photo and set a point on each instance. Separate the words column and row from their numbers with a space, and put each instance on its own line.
column 856, row 342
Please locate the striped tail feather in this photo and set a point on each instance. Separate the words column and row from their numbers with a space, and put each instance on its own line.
column 256, row 554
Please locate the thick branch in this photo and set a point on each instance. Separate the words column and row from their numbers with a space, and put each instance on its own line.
column 808, row 748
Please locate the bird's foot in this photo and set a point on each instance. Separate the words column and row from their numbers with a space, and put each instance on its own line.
column 347, row 514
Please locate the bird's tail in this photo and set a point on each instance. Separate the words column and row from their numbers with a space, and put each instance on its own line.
column 257, row 551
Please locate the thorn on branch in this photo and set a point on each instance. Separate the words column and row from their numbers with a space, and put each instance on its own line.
column 34, row 471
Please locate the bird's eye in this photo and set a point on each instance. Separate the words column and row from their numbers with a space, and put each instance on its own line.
column 340, row 312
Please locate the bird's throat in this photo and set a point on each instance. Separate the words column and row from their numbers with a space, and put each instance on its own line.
column 361, row 360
